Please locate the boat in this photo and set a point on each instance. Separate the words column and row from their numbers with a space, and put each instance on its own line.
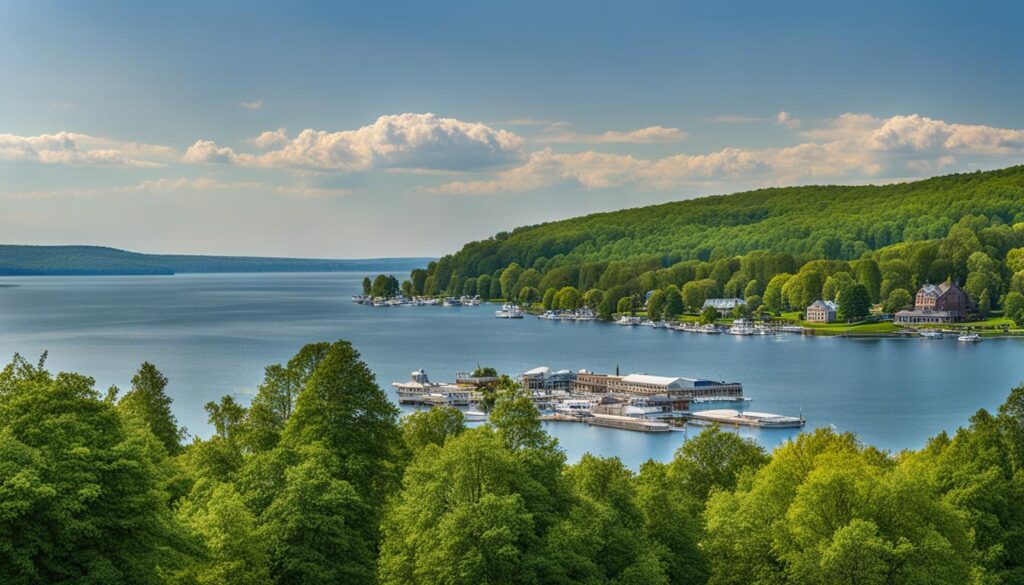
column 574, row 407
column 452, row 302
column 508, row 311
column 741, row 327
column 930, row 334
column 969, row 337
column 709, row 328
column 791, row 329
column 420, row 390
column 628, row 320
column 474, row 416
column 584, row 314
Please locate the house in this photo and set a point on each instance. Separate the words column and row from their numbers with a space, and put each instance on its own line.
column 937, row 303
column 821, row 312
column 723, row 305
column 542, row 379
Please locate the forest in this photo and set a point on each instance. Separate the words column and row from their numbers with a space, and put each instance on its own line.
column 318, row 480
column 779, row 248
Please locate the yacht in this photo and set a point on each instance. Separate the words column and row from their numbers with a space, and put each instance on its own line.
column 452, row 302
column 930, row 334
column 574, row 407
column 709, row 328
column 741, row 327
column 969, row 337
column 628, row 320
column 508, row 311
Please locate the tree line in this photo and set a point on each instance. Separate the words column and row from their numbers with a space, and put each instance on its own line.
column 318, row 480
column 777, row 248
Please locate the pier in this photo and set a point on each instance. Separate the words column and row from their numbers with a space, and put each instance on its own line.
column 746, row 419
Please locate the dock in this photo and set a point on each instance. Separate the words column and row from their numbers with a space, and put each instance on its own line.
column 746, row 419
column 628, row 423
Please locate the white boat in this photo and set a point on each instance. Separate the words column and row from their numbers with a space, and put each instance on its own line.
column 709, row 328
column 791, row 329
column 509, row 312
column 574, row 407
column 474, row 416
column 452, row 302
column 741, row 327
column 628, row 321
column 930, row 334
column 969, row 337
column 584, row 314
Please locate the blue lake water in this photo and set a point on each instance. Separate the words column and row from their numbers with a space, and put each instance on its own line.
column 213, row 334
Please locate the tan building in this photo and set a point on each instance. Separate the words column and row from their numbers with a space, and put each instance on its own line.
column 821, row 312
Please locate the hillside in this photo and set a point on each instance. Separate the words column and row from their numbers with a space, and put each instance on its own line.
column 735, row 244
column 97, row 260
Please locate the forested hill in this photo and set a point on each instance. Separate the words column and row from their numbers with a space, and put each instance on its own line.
column 832, row 222
column 98, row 260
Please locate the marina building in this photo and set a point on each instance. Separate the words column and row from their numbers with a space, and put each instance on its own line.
column 542, row 379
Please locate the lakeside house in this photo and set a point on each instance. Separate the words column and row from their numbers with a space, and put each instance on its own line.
column 821, row 311
column 723, row 305
column 937, row 303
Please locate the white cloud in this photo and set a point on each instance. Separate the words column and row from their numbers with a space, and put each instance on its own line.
column 405, row 141
column 254, row 105
column 787, row 120
column 270, row 138
column 849, row 147
column 649, row 135
column 80, row 149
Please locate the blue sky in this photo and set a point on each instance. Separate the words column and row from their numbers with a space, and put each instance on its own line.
column 408, row 128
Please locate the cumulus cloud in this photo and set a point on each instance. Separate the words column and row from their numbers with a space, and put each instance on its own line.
column 254, row 105
column 786, row 119
column 80, row 149
column 649, row 135
column 270, row 138
column 849, row 147
column 405, row 141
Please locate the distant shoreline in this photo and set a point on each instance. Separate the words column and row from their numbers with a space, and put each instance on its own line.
column 18, row 260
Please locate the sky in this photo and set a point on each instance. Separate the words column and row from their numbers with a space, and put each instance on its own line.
column 358, row 129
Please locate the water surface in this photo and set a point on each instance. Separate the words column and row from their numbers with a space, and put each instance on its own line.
column 213, row 334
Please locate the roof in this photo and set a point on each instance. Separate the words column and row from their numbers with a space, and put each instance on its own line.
column 723, row 303
column 541, row 371
column 827, row 305
column 652, row 380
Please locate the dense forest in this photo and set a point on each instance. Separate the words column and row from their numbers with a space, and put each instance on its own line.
column 318, row 481
column 781, row 248
column 99, row 260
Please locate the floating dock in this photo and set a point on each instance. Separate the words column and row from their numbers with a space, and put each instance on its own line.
column 628, row 423
column 746, row 419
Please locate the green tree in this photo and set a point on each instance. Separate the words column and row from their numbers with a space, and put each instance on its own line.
column 774, row 300
column 674, row 306
column 694, row 295
column 233, row 552
column 898, row 300
column 528, row 295
column 656, row 305
column 548, row 299
column 148, row 402
column 713, row 460
column 708, row 315
column 483, row 286
column 984, row 304
column 82, row 496
column 432, row 427
column 407, row 290
column 592, row 298
column 854, row 303
column 567, row 299
column 1013, row 307
column 315, row 528
column 508, row 280
column 367, row 286
column 625, row 305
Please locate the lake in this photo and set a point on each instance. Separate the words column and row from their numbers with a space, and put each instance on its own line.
column 212, row 334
